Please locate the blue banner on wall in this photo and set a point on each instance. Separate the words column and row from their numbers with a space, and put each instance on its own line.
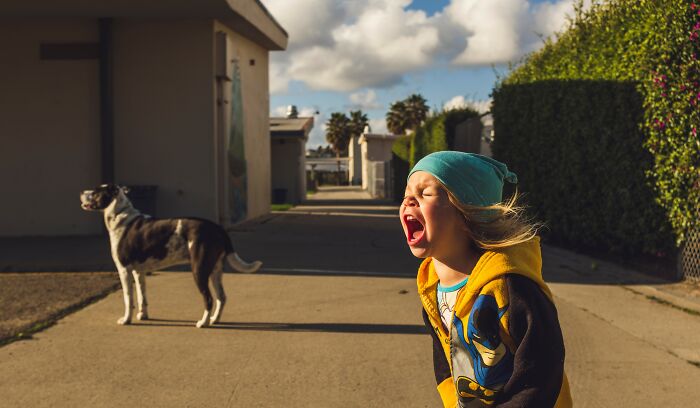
column 238, row 187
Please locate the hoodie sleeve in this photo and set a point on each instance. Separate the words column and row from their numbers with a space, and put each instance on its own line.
column 538, row 365
column 443, row 376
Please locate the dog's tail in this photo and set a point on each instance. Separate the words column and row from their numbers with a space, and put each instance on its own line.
column 242, row 266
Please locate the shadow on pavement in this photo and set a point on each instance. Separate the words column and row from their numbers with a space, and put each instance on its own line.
column 349, row 202
column 367, row 328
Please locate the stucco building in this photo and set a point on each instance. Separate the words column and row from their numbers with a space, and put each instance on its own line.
column 376, row 163
column 165, row 93
column 288, row 150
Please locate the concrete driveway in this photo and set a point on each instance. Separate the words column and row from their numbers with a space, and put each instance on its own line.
column 333, row 320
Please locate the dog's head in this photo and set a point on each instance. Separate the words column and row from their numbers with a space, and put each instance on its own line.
column 99, row 198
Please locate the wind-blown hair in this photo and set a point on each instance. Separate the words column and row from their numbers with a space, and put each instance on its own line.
column 499, row 225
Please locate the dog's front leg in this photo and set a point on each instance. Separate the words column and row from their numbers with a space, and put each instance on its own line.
column 140, row 279
column 127, row 289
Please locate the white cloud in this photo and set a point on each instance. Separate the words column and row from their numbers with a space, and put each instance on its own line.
column 351, row 45
column 491, row 27
column 280, row 111
column 551, row 17
column 460, row 101
column 317, row 136
column 364, row 100
column 499, row 31
column 279, row 79
column 378, row 125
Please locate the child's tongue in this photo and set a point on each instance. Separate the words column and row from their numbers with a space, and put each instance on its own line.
column 417, row 234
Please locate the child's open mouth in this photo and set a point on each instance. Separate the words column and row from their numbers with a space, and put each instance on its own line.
column 415, row 230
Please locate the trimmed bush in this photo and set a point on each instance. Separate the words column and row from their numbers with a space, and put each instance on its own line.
column 601, row 126
column 438, row 133
column 435, row 134
column 400, row 152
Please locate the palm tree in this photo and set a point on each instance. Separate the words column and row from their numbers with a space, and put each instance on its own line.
column 338, row 132
column 358, row 121
column 407, row 114
column 396, row 118
column 416, row 109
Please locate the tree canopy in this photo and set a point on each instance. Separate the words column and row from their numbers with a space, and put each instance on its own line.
column 406, row 114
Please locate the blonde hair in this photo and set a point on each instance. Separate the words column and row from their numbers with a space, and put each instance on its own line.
column 499, row 225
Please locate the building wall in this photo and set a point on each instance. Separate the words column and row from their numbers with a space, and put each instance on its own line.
column 49, row 129
column 301, row 171
column 355, row 164
column 164, row 104
column 164, row 112
column 287, row 167
column 468, row 136
column 253, row 62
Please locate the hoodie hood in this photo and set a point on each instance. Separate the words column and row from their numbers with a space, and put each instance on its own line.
column 523, row 259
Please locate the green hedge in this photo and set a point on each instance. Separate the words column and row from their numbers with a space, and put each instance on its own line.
column 400, row 156
column 607, row 117
column 438, row 133
column 435, row 134
column 577, row 149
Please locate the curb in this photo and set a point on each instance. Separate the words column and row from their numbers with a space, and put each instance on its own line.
column 662, row 296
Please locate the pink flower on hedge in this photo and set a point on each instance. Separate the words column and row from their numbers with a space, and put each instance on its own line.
column 694, row 131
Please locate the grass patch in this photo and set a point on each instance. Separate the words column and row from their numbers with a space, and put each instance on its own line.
column 281, row 207
column 32, row 302
column 666, row 303
column 36, row 301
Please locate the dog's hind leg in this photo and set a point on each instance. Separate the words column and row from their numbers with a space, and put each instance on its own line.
column 203, row 263
column 216, row 281
column 202, row 281
column 127, row 289
column 140, row 279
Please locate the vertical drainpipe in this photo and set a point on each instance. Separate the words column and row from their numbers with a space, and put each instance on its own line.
column 106, row 100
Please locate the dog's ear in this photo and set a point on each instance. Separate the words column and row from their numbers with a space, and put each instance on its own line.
column 125, row 189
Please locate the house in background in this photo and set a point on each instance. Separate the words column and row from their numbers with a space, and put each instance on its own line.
column 376, row 163
column 288, row 151
column 171, row 94
column 355, row 160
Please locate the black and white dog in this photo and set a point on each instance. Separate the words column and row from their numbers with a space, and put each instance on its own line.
column 141, row 244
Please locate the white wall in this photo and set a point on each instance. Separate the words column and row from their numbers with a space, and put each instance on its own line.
column 164, row 108
column 256, row 111
column 355, row 163
column 49, row 129
column 164, row 112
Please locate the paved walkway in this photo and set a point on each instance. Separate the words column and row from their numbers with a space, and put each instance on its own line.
column 333, row 320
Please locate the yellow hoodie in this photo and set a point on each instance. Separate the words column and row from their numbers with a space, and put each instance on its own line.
column 505, row 345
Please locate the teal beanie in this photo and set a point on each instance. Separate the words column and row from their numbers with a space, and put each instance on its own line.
column 474, row 179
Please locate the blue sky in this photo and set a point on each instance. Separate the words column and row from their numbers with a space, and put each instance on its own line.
column 366, row 54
